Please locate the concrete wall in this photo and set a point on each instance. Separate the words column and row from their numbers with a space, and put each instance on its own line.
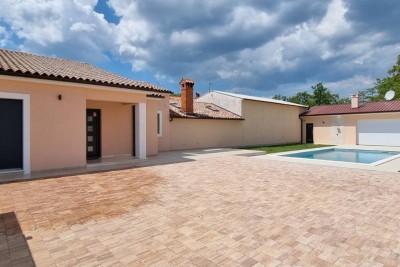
column 340, row 130
column 58, row 127
column 204, row 133
column 265, row 123
column 269, row 123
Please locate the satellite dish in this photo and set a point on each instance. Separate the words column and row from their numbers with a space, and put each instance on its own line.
column 389, row 95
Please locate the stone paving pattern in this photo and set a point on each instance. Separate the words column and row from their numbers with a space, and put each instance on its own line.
column 221, row 211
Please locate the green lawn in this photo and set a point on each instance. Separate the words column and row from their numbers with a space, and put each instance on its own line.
column 284, row 148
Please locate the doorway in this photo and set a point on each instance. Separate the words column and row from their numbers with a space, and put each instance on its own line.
column 309, row 133
column 93, row 148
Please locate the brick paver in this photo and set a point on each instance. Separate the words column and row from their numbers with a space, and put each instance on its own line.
column 223, row 211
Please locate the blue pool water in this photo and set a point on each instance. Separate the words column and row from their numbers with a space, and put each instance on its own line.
column 347, row 155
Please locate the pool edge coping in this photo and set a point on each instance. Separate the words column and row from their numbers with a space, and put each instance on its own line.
column 365, row 166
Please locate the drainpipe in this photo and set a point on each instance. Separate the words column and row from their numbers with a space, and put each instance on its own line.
column 301, row 130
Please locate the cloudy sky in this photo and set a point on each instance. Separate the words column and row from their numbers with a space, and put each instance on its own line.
column 259, row 47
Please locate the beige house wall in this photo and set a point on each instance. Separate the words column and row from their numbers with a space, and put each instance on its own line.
column 58, row 127
column 326, row 127
column 151, row 127
column 58, row 136
column 164, row 139
column 268, row 123
column 204, row 133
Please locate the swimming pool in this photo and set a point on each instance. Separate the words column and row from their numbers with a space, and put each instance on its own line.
column 346, row 155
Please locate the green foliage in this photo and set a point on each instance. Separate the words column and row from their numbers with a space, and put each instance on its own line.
column 323, row 96
column 280, row 97
column 368, row 95
column 344, row 100
column 303, row 98
column 320, row 96
column 392, row 82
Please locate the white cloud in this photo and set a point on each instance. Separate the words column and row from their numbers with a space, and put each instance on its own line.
column 245, row 19
column 185, row 37
column 46, row 25
column 4, row 36
column 351, row 85
column 82, row 27
column 334, row 22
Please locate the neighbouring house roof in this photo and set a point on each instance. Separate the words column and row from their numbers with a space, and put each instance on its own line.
column 200, row 111
column 369, row 107
column 262, row 99
column 42, row 67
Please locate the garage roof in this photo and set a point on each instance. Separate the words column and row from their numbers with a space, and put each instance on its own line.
column 261, row 99
column 369, row 107
column 49, row 68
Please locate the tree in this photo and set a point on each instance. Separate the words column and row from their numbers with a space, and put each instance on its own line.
column 280, row 97
column 303, row 98
column 345, row 100
column 368, row 95
column 323, row 96
column 320, row 96
column 392, row 82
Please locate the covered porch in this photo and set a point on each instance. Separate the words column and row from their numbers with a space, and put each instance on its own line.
column 115, row 130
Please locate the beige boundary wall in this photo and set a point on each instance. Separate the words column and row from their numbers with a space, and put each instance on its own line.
column 264, row 123
column 340, row 129
column 58, row 127
column 204, row 133
column 269, row 123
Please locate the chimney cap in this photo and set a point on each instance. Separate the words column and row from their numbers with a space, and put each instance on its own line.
column 186, row 80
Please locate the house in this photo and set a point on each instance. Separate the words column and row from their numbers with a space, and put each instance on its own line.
column 371, row 123
column 222, row 119
column 57, row 114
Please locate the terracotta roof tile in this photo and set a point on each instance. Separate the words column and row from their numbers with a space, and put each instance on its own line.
column 43, row 67
column 369, row 107
column 200, row 111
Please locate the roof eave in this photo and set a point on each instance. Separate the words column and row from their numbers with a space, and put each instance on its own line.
column 352, row 113
column 206, row 118
column 79, row 81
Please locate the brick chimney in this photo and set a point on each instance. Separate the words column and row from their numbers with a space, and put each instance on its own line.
column 187, row 95
column 355, row 101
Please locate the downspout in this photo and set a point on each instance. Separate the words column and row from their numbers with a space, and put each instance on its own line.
column 301, row 129
column 301, row 126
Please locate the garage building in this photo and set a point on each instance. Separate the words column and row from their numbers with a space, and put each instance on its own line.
column 371, row 123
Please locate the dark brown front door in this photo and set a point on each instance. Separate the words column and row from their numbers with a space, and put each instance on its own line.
column 93, row 133
column 10, row 134
column 309, row 133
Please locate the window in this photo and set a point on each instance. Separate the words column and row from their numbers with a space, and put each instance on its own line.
column 159, row 123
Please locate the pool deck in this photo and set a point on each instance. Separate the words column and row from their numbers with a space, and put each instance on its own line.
column 392, row 165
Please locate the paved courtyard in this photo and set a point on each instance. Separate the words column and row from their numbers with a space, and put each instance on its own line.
column 219, row 211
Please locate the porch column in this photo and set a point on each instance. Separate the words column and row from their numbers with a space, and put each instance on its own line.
column 140, row 134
